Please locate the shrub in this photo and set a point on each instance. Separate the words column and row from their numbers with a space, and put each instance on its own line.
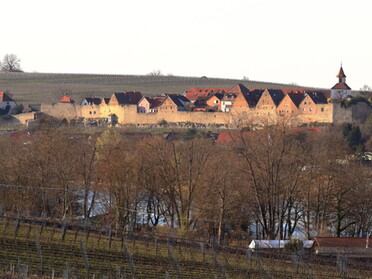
column 163, row 123
column 293, row 246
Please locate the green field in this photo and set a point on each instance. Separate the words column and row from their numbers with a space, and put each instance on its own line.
column 50, row 250
column 36, row 88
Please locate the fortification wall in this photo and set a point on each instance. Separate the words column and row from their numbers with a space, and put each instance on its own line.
column 59, row 110
column 127, row 114
column 132, row 117
column 25, row 117
column 360, row 112
column 341, row 114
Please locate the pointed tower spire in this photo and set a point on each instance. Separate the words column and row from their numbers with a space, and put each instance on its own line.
column 341, row 75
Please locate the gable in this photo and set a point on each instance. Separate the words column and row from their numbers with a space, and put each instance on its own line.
column 287, row 102
column 144, row 101
column 265, row 100
column 167, row 102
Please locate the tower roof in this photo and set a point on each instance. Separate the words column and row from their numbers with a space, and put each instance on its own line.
column 341, row 73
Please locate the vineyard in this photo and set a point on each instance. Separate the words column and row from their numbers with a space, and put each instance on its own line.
column 36, row 88
column 52, row 250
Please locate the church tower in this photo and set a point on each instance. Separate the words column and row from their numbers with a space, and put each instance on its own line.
column 341, row 90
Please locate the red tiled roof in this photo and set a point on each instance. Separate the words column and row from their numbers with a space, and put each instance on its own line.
column 155, row 102
column 351, row 242
column 341, row 73
column 5, row 97
column 232, row 138
column 341, row 85
column 195, row 93
column 239, row 88
column 66, row 99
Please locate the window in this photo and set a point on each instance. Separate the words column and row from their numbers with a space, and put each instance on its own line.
column 304, row 103
column 322, row 109
column 304, row 109
column 311, row 109
column 286, row 105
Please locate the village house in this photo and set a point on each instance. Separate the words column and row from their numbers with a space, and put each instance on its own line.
column 227, row 101
column 268, row 102
column 150, row 104
column 247, row 100
column 290, row 103
column 7, row 104
column 213, row 102
column 312, row 103
column 351, row 246
column 89, row 101
column 125, row 98
column 173, row 103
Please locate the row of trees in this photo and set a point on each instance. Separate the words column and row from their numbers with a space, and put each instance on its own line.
column 272, row 183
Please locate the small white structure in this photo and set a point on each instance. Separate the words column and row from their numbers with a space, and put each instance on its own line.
column 267, row 244
column 276, row 244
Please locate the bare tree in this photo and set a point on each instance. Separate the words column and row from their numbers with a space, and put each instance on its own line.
column 273, row 162
column 11, row 63
column 155, row 73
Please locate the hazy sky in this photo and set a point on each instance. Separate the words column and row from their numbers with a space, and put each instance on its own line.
column 269, row 40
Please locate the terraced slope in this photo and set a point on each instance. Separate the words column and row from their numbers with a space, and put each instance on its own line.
column 36, row 88
column 75, row 253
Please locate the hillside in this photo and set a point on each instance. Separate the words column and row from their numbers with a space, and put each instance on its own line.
column 36, row 88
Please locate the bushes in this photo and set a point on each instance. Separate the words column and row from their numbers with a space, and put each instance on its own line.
column 163, row 123
column 294, row 246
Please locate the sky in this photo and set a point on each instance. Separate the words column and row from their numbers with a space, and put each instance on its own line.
column 285, row 41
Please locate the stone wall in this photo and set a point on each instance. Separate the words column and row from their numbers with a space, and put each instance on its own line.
column 127, row 114
column 59, row 110
column 25, row 117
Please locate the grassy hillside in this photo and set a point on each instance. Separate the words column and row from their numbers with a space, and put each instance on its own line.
column 36, row 88
column 68, row 252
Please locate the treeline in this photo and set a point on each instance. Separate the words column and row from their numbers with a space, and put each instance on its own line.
column 272, row 183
